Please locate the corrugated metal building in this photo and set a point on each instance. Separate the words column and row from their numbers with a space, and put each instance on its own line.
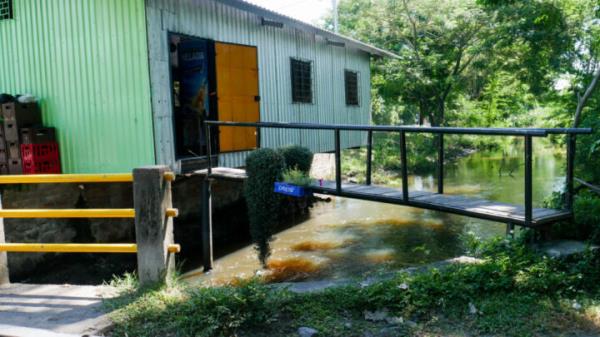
column 129, row 82
column 87, row 62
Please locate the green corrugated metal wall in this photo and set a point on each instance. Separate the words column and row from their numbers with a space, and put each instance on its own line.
column 87, row 61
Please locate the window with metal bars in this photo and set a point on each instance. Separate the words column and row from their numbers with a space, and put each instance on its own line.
column 301, row 81
column 351, row 83
column 6, row 9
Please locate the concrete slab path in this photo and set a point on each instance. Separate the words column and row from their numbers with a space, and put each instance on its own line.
column 58, row 309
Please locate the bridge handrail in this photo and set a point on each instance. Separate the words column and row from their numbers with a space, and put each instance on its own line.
column 535, row 132
column 526, row 133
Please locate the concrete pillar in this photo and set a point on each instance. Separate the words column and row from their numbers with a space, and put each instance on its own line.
column 153, row 229
column 4, row 279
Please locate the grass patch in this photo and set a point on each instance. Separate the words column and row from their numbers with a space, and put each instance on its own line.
column 514, row 292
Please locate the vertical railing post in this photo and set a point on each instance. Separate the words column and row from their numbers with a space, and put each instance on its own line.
column 338, row 162
column 153, row 228
column 207, row 228
column 440, row 163
column 369, row 156
column 208, row 147
column 4, row 275
column 528, row 180
column 571, row 149
column 404, row 161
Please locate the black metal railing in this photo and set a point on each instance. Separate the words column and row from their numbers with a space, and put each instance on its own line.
column 526, row 133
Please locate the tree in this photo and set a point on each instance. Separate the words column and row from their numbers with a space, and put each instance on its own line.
column 437, row 41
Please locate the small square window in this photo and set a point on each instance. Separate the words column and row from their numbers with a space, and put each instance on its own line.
column 351, row 83
column 301, row 81
column 6, row 9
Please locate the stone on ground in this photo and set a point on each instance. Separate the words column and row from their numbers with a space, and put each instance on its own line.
column 563, row 248
column 307, row 332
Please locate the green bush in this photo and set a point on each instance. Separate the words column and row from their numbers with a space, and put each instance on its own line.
column 296, row 177
column 586, row 224
column 587, row 215
column 297, row 157
column 264, row 167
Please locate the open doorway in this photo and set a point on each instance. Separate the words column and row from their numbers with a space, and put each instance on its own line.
column 194, row 93
column 213, row 81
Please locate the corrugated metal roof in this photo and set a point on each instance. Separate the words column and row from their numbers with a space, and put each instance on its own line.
column 286, row 20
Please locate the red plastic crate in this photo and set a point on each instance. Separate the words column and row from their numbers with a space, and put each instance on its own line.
column 40, row 158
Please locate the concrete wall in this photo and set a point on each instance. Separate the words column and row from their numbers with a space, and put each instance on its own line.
column 64, row 230
column 186, row 197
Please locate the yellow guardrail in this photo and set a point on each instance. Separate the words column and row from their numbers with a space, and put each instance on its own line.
column 72, row 178
column 76, row 248
column 74, row 213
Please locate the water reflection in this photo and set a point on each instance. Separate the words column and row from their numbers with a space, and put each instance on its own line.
column 346, row 237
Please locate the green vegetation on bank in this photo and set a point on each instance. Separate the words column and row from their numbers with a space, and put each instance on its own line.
column 513, row 292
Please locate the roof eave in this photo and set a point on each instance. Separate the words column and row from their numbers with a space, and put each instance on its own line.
column 291, row 22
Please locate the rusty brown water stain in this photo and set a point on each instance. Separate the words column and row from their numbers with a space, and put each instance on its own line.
column 312, row 246
column 379, row 256
column 292, row 269
column 391, row 222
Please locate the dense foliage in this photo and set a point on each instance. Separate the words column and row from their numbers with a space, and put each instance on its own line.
column 478, row 63
column 264, row 167
column 484, row 63
column 511, row 292
column 297, row 157
column 296, row 177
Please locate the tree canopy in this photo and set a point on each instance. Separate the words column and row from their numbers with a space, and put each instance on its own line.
column 480, row 62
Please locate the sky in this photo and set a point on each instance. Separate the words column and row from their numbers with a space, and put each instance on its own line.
column 306, row 10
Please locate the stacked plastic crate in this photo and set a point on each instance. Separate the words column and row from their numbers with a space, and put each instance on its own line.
column 29, row 147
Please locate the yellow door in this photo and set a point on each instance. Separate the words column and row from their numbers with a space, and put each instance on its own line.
column 237, row 92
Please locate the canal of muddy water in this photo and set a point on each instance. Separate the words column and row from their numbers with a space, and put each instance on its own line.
column 351, row 238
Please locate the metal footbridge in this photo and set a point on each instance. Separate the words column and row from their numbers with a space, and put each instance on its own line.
column 512, row 214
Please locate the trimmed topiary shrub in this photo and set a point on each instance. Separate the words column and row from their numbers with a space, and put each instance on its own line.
column 264, row 167
column 297, row 157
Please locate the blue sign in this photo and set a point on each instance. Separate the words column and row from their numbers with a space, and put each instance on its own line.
column 289, row 189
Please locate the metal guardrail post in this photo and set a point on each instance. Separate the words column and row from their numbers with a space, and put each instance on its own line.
column 208, row 147
column 440, row 163
column 153, row 228
column 4, row 275
column 404, row 163
column 571, row 150
column 369, row 156
column 338, row 162
column 207, row 233
column 528, row 181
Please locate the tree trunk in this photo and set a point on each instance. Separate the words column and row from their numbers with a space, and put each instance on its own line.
column 582, row 100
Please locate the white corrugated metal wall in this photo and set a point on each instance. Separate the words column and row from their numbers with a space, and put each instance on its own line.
column 212, row 20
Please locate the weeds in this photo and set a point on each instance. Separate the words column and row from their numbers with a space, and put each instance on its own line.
column 514, row 292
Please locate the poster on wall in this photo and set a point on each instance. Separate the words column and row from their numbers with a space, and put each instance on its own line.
column 193, row 94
